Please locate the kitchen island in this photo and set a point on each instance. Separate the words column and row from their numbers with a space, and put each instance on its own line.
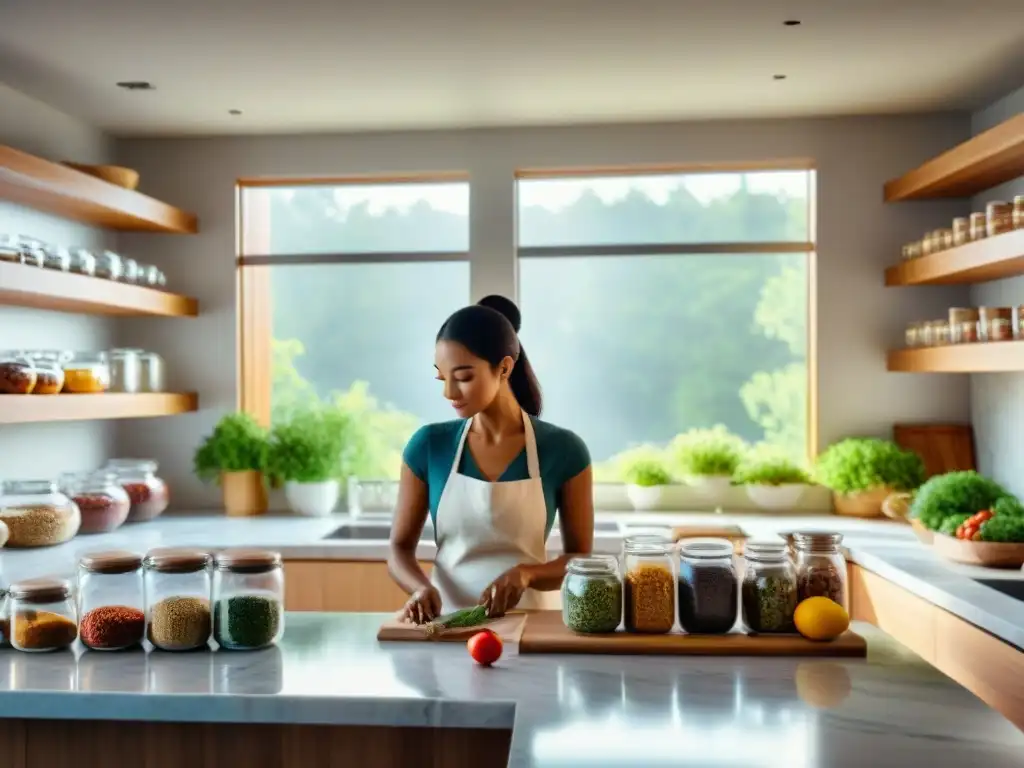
column 331, row 695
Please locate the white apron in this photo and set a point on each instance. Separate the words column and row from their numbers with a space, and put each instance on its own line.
column 483, row 529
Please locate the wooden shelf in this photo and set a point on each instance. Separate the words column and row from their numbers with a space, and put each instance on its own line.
column 960, row 358
column 55, row 188
column 23, row 409
column 29, row 286
column 988, row 159
column 990, row 259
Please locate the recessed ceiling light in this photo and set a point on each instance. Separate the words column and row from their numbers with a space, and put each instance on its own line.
column 779, row 77
column 136, row 85
column 792, row 22
column 235, row 112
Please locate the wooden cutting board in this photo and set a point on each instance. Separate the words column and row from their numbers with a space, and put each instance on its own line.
column 942, row 447
column 733, row 533
column 508, row 627
column 545, row 633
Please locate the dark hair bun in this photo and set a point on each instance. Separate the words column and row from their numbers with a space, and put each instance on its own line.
column 507, row 307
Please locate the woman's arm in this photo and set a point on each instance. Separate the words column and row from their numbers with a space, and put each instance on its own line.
column 410, row 516
column 576, row 518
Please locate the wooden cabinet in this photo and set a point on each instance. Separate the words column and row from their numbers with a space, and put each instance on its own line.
column 342, row 585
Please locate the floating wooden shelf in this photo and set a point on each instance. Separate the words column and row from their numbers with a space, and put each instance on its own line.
column 58, row 189
column 22, row 409
column 988, row 159
column 990, row 259
column 960, row 358
column 28, row 286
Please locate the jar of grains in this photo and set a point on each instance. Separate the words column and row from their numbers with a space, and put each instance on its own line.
column 37, row 514
column 820, row 566
column 649, row 588
column 978, row 227
column 177, row 583
column 995, row 323
column 42, row 615
column 248, row 599
column 148, row 493
column 708, row 586
column 1018, row 212
column 963, row 325
column 961, row 230
column 998, row 217
column 101, row 500
column 111, row 600
column 592, row 594
column 769, row 588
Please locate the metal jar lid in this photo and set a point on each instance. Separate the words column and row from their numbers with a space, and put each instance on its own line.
column 176, row 560
column 41, row 590
column 247, row 560
column 112, row 561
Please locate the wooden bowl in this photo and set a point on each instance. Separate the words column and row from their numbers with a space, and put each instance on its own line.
column 112, row 174
column 986, row 553
column 863, row 504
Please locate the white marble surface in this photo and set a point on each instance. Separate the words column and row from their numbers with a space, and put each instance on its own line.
column 565, row 711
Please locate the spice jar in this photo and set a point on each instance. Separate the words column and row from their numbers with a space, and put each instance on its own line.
column 961, row 230
column 592, row 595
column 5, row 618
column 17, row 374
column 995, row 323
column 913, row 335
column 130, row 270
column 978, row 227
column 42, row 615
column 111, row 600
column 998, row 218
column 248, row 599
column 86, row 374
column 1018, row 326
column 945, row 239
column 926, row 334
column 49, row 372
column 151, row 372
column 940, row 333
column 56, row 257
column 37, row 514
column 177, row 584
column 83, row 262
column 820, row 566
column 708, row 587
column 125, row 374
column 963, row 325
column 769, row 589
column 649, row 588
column 148, row 493
column 102, row 502
column 109, row 266
column 1018, row 212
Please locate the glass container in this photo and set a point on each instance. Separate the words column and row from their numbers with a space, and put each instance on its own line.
column 130, row 272
column 769, row 589
column 941, row 333
column 649, row 587
column 102, row 502
column 820, row 566
column 961, row 230
column 49, row 372
column 151, row 372
column 592, row 595
column 148, row 493
column 1018, row 212
column 149, row 275
column 56, row 257
column 177, row 583
column 978, row 228
column 37, row 514
column 248, row 599
column 125, row 370
column 963, row 325
column 17, row 373
column 1018, row 326
column 913, row 335
column 926, row 334
column 995, row 323
column 10, row 250
column 5, row 618
column 998, row 218
column 83, row 262
column 708, row 587
column 946, row 239
column 86, row 374
column 109, row 266
column 33, row 251
column 111, row 600
column 43, row 616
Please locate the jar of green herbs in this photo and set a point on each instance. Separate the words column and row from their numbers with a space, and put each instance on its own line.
column 769, row 590
column 248, row 599
column 592, row 595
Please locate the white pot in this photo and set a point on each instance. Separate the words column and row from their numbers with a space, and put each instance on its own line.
column 312, row 499
column 776, row 496
column 710, row 486
column 644, row 497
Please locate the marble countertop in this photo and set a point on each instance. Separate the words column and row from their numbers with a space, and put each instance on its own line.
column 891, row 709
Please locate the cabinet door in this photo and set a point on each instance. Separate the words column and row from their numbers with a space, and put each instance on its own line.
column 342, row 585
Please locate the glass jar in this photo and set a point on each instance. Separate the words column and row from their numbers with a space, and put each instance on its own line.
column 940, row 333
column 148, row 493
column 592, row 595
column 86, row 374
column 927, row 243
column 995, row 323
column 248, row 599
column 49, row 372
column 125, row 373
column 102, row 502
column 37, row 514
column 963, row 325
column 151, row 372
column 17, row 373
column 111, row 600
column 32, row 251
column 946, row 239
column 926, row 334
column 998, row 218
column 1018, row 326
column 961, row 230
column 769, row 589
column 820, row 566
column 56, row 257
column 913, row 335
column 978, row 227
column 649, row 587
column 5, row 618
column 129, row 270
column 10, row 251
column 1018, row 212
column 109, row 266
column 83, row 262
column 43, row 615
column 177, row 584
column 708, row 587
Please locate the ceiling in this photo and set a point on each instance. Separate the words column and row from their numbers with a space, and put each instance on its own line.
column 337, row 65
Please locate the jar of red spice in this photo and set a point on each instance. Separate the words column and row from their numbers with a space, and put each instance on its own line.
column 111, row 600
column 148, row 493
column 995, row 323
column 104, row 504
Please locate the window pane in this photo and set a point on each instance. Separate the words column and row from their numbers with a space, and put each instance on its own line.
column 642, row 348
column 377, row 218
column 362, row 335
column 763, row 206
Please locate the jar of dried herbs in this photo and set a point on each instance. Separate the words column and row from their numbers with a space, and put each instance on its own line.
column 43, row 616
column 592, row 594
column 708, row 587
column 177, row 583
column 111, row 603
column 248, row 599
column 649, row 587
column 820, row 566
column 769, row 595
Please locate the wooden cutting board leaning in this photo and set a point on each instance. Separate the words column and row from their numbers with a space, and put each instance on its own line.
column 509, row 628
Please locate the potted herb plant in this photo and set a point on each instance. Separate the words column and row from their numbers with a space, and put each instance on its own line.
column 305, row 454
column 772, row 482
column 708, row 458
column 863, row 472
column 234, row 456
column 646, row 474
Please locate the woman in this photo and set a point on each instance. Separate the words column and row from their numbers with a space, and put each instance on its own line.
column 492, row 480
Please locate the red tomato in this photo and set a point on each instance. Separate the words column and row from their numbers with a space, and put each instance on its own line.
column 969, row 530
column 981, row 517
column 960, row 531
column 485, row 647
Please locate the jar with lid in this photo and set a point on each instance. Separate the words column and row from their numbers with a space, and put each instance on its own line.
column 17, row 373
column 5, row 618
column 109, row 266
column 102, row 502
column 37, row 514
column 1018, row 212
column 151, row 372
column 125, row 373
column 820, row 566
column 963, row 325
column 149, row 275
column 10, row 249
column 86, row 373
column 82, row 262
column 940, row 333
column 592, row 595
column 1018, row 326
column 177, row 584
column 111, row 600
column 995, row 323
column 913, row 335
column 961, row 230
column 248, row 599
column 56, row 257
column 129, row 270
column 49, row 372
column 32, row 250
column 927, row 244
column 649, row 587
column 709, row 592
column 43, row 616
column 769, row 589
column 148, row 493
column 946, row 239
column 978, row 227
column 998, row 218
column 925, row 334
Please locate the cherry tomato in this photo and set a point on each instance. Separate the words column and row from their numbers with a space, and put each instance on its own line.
column 981, row 517
column 976, row 536
column 485, row 647
column 969, row 531
column 960, row 530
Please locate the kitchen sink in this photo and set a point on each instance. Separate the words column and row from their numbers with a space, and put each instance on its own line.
column 1012, row 587
column 381, row 531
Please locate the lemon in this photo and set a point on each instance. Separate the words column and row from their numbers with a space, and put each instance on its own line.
column 818, row 618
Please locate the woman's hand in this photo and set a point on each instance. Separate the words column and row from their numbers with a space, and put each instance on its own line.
column 505, row 592
column 422, row 606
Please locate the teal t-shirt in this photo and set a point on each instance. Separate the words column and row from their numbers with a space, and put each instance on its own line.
column 561, row 453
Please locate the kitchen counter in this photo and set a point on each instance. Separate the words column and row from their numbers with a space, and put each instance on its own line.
column 891, row 709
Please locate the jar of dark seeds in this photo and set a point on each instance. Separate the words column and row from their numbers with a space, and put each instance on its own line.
column 177, row 583
column 248, row 599
column 708, row 587
column 768, row 591
column 592, row 594
column 820, row 566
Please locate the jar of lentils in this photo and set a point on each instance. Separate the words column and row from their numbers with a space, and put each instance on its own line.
column 111, row 600
column 592, row 595
column 708, row 587
column 649, row 587
column 769, row 589
column 177, row 583
column 248, row 599
column 820, row 566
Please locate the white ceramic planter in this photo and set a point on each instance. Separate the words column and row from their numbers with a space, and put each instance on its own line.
column 644, row 497
column 312, row 499
column 710, row 486
column 776, row 496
